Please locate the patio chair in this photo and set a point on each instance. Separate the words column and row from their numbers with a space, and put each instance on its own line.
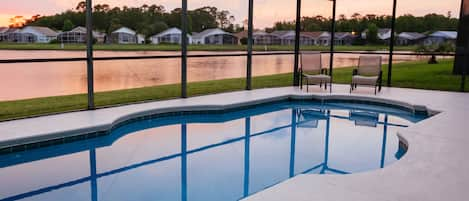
column 364, row 118
column 368, row 73
column 309, row 118
column 312, row 72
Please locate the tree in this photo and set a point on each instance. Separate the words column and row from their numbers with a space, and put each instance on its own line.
column 114, row 25
column 158, row 27
column 81, row 6
column 68, row 25
column 372, row 33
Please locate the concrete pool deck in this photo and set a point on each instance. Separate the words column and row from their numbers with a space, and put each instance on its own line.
column 434, row 167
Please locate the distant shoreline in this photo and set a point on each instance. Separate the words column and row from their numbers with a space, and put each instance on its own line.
column 228, row 48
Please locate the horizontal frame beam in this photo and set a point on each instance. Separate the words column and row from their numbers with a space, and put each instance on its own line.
column 9, row 61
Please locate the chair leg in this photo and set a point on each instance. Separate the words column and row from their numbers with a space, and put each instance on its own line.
column 325, row 85
column 301, row 83
column 330, row 87
column 351, row 88
column 307, row 86
column 375, row 89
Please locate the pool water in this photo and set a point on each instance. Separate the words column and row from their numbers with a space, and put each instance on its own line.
column 220, row 156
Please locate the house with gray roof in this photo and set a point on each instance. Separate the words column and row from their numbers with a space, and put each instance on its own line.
column 3, row 34
column 384, row 35
column 344, row 38
column 214, row 36
column 124, row 35
column 306, row 38
column 31, row 34
column 78, row 35
column 440, row 37
column 171, row 35
column 410, row 38
column 264, row 38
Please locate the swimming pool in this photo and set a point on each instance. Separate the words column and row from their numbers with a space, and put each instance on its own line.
column 216, row 156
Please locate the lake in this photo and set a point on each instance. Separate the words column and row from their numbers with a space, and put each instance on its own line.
column 32, row 80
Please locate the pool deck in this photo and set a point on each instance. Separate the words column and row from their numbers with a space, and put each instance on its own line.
column 434, row 168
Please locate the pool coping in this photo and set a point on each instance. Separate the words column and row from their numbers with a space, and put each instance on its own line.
column 430, row 170
column 64, row 136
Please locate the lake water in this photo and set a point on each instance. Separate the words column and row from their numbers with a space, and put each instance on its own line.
column 31, row 80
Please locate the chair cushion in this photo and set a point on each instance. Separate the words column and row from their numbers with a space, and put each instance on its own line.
column 364, row 80
column 312, row 79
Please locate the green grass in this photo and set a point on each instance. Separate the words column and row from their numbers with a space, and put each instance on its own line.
column 407, row 75
column 149, row 47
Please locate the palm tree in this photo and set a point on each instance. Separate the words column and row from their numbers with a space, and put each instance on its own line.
column 81, row 6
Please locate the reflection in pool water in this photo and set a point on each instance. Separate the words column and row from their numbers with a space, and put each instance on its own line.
column 224, row 156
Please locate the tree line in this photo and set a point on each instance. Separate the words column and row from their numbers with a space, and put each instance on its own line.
column 359, row 23
column 152, row 19
column 146, row 19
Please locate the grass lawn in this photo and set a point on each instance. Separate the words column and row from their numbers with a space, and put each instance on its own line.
column 407, row 75
column 149, row 47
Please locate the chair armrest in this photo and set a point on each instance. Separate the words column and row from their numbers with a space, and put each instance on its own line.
column 355, row 72
column 324, row 71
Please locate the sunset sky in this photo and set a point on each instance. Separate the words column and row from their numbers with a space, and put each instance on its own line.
column 266, row 11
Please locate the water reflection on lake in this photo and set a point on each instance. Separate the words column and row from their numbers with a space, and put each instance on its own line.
column 30, row 80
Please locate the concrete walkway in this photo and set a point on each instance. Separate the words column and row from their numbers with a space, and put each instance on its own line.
column 434, row 168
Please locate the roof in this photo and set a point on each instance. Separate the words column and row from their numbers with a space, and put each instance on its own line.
column 81, row 29
column 209, row 32
column 46, row 31
column 316, row 34
column 291, row 33
column 283, row 33
column 342, row 35
column 3, row 29
column 78, row 29
column 241, row 34
column 411, row 35
column 12, row 30
column 172, row 30
column 125, row 30
column 445, row 34
column 262, row 33
column 384, row 31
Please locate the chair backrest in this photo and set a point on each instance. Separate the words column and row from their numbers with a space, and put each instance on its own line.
column 311, row 63
column 369, row 65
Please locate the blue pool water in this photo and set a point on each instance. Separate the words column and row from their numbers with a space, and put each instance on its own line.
column 222, row 156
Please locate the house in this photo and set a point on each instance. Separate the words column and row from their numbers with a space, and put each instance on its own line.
column 3, row 34
column 141, row 39
column 78, row 35
column 31, row 34
column 306, row 38
column 124, row 35
column 440, row 37
column 242, row 37
column 171, row 35
column 321, row 38
column 10, row 34
column 409, row 38
column 264, row 38
column 344, row 38
column 383, row 35
column 287, row 37
column 15, row 35
column 214, row 36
